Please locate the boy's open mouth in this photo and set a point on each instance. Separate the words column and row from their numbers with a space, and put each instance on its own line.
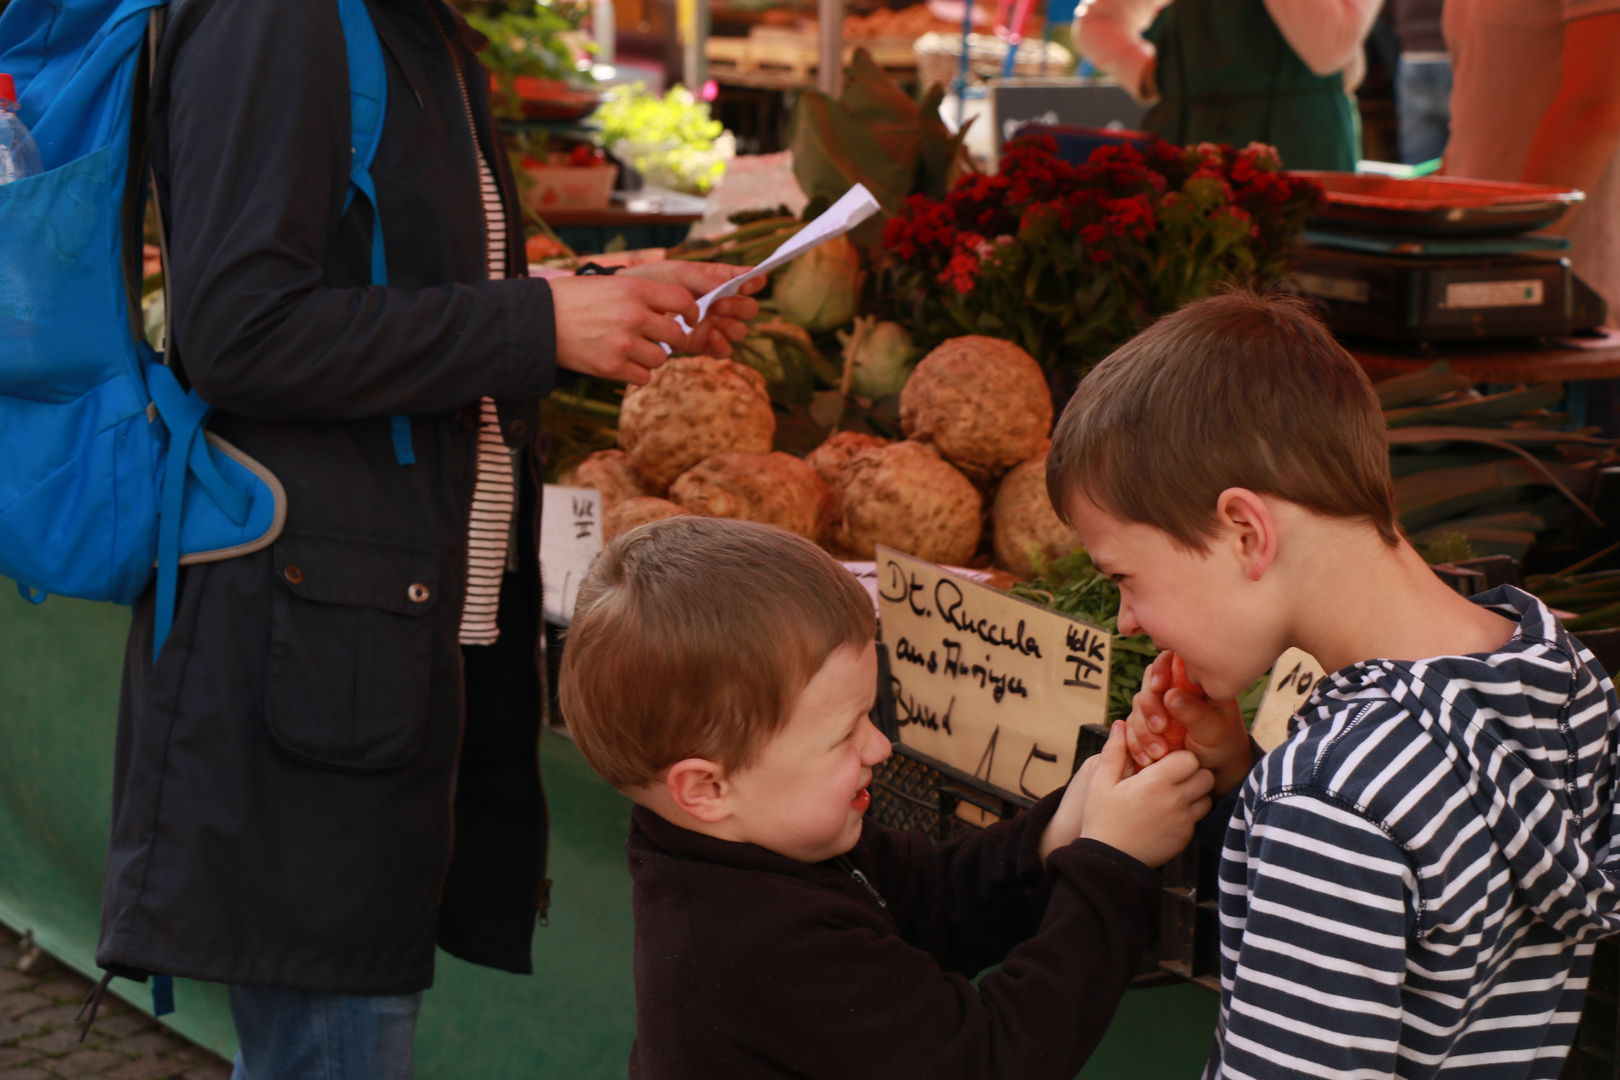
column 862, row 800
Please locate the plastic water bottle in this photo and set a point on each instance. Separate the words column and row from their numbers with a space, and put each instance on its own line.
column 19, row 154
column 19, row 332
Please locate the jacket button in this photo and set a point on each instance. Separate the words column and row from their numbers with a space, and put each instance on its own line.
column 293, row 575
column 418, row 593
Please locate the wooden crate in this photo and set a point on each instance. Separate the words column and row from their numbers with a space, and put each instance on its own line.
column 783, row 58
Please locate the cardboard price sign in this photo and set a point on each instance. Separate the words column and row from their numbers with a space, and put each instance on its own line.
column 1293, row 677
column 986, row 682
column 570, row 537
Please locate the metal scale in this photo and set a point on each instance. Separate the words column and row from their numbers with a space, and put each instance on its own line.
column 1441, row 259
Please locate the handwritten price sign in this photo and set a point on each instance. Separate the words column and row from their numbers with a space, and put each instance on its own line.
column 1293, row 677
column 570, row 537
column 994, row 685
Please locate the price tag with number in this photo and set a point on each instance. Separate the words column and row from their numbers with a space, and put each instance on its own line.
column 1293, row 677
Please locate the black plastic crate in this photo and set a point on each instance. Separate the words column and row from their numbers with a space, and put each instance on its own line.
column 1596, row 1053
column 1188, row 944
column 912, row 790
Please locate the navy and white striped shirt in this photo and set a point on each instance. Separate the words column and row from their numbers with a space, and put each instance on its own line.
column 1412, row 882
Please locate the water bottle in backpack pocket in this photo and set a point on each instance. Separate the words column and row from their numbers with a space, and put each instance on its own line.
column 85, row 435
column 107, row 474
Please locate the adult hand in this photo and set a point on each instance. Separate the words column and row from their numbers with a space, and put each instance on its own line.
column 1215, row 732
column 611, row 326
column 727, row 320
column 1149, row 816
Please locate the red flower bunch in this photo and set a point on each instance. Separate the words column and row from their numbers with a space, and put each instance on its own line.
column 1087, row 254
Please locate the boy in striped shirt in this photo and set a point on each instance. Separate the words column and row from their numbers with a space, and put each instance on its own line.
column 1413, row 881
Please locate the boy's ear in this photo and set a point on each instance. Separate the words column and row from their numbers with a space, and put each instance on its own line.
column 698, row 786
column 1248, row 522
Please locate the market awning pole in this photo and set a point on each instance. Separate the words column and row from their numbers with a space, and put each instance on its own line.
column 692, row 18
column 960, row 83
column 830, row 75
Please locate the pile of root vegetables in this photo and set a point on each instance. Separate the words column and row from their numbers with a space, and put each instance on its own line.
column 966, row 486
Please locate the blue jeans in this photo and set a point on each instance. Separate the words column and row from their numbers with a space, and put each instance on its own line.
column 1422, row 109
column 299, row 1035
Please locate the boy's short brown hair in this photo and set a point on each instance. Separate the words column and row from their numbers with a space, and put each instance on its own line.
column 1236, row 390
column 694, row 637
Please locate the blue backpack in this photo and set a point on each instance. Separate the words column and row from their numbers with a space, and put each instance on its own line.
column 107, row 474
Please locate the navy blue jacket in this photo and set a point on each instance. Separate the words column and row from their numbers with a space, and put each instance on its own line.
column 753, row 965
column 314, row 784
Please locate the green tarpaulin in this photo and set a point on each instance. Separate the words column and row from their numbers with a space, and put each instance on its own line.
column 59, row 670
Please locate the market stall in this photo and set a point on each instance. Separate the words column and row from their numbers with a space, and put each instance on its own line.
column 893, row 404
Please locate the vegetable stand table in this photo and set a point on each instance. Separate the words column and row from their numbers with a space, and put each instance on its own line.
column 590, row 231
column 59, row 673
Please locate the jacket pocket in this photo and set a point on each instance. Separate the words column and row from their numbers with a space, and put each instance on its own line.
column 351, row 649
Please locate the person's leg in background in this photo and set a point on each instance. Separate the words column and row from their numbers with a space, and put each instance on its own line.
column 1422, row 106
column 299, row 1035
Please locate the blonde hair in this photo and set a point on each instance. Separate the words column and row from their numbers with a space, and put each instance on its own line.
column 694, row 637
column 1236, row 390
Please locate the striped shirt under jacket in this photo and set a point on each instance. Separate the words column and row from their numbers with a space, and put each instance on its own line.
column 1411, row 884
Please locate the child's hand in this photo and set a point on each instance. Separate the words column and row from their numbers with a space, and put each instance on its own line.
column 1064, row 828
column 1213, row 730
column 1149, row 816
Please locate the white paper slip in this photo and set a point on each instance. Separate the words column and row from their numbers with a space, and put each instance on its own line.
column 855, row 207
column 570, row 537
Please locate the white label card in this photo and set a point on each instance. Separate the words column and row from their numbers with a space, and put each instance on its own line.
column 570, row 537
column 986, row 682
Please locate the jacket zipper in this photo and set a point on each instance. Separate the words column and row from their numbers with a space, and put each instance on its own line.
column 849, row 868
column 543, row 890
column 461, row 663
column 472, row 131
column 542, row 896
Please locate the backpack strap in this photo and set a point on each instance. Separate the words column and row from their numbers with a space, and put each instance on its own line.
column 368, row 104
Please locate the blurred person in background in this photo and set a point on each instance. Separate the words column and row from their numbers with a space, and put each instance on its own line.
column 1273, row 71
column 1536, row 97
column 1422, row 81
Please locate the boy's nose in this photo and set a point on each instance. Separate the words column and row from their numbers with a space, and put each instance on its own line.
column 1128, row 626
column 875, row 745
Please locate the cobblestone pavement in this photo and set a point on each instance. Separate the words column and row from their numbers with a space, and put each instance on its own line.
column 40, row 1041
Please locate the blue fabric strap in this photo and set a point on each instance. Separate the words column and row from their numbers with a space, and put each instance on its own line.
column 368, row 104
column 404, row 453
column 162, row 995
column 31, row 594
column 183, row 414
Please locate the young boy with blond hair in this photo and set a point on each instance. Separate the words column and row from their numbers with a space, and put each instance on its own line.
column 721, row 674
column 1411, row 884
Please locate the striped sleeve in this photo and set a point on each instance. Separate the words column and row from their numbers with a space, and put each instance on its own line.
column 1316, row 904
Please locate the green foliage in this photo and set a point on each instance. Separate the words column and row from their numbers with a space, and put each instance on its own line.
column 1447, row 547
column 874, row 134
column 1073, row 586
column 1593, row 596
column 1476, row 474
column 790, row 362
column 748, row 245
column 527, row 39
column 671, row 140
